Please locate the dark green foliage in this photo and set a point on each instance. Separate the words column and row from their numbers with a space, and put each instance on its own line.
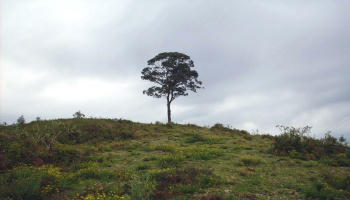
column 78, row 115
column 21, row 120
column 172, row 72
column 173, row 75
column 296, row 143
column 219, row 126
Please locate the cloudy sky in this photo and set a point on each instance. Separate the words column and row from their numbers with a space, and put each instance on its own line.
column 262, row 62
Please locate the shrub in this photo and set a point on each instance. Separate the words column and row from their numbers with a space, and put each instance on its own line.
column 220, row 127
column 295, row 142
column 78, row 115
column 21, row 120
column 290, row 139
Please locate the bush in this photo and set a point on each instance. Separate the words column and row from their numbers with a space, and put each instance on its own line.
column 78, row 115
column 290, row 139
column 21, row 120
column 218, row 126
column 295, row 143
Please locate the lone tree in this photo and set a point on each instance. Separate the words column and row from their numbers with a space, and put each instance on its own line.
column 174, row 76
column 21, row 121
column 78, row 115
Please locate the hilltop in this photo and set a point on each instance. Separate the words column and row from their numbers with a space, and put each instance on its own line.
column 121, row 159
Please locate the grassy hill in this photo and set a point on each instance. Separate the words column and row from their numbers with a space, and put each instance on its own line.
column 120, row 159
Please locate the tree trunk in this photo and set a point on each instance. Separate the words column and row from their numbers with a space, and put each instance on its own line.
column 169, row 112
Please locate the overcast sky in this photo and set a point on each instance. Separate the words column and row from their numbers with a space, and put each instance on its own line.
column 262, row 62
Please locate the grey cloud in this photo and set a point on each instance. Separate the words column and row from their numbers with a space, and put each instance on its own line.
column 263, row 63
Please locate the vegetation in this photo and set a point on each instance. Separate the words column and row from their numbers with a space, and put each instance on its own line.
column 85, row 158
column 78, row 115
column 297, row 144
column 21, row 120
column 172, row 73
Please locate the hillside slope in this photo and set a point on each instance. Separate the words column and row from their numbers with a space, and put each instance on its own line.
column 120, row 159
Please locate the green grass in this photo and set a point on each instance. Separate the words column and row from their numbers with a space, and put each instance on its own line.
column 120, row 159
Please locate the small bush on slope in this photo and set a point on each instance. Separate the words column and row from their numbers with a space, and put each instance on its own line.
column 295, row 143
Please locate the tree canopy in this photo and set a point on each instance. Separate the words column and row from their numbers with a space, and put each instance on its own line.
column 173, row 74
